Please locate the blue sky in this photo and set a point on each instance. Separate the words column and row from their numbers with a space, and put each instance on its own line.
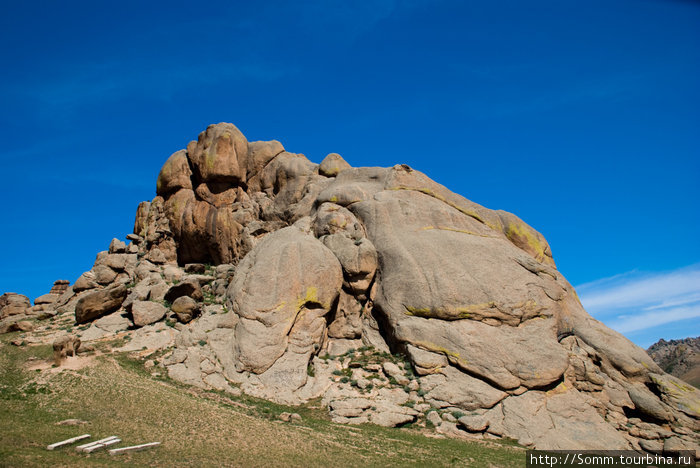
column 580, row 117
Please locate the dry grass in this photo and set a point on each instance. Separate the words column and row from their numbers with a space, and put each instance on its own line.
column 196, row 428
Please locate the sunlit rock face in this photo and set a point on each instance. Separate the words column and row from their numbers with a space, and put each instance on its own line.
column 329, row 257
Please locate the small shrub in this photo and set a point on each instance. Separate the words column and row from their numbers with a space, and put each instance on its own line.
column 209, row 298
column 345, row 379
column 337, row 372
column 310, row 370
column 353, row 383
column 407, row 389
column 33, row 388
column 458, row 414
column 202, row 342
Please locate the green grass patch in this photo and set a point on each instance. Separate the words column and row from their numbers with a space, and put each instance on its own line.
column 118, row 396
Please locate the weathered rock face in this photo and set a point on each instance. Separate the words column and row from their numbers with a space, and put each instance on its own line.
column 679, row 357
column 389, row 258
column 147, row 312
column 14, row 304
column 281, row 293
column 59, row 287
column 99, row 303
column 325, row 269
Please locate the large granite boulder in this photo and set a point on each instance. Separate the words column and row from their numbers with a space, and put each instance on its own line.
column 220, row 154
column 147, row 312
column 175, row 174
column 102, row 302
column 281, row 293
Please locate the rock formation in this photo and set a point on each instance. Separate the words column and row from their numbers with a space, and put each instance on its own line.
column 13, row 304
column 678, row 357
column 378, row 290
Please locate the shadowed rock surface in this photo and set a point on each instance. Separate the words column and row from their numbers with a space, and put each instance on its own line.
column 378, row 290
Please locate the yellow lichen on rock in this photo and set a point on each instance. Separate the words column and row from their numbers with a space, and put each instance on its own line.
column 521, row 236
column 310, row 297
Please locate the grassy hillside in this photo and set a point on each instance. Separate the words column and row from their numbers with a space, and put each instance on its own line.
column 197, row 428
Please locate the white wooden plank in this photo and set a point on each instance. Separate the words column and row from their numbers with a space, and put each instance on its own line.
column 133, row 448
column 67, row 442
column 81, row 448
column 102, row 445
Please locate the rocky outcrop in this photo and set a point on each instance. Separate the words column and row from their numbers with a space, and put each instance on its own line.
column 64, row 346
column 46, row 302
column 281, row 293
column 377, row 290
column 59, row 287
column 17, row 313
column 99, row 303
column 385, row 257
column 12, row 304
column 680, row 358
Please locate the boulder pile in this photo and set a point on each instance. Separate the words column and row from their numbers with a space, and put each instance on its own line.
column 378, row 290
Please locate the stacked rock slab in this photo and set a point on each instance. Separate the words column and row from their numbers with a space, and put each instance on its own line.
column 59, row 287
column 47, row 301
column 331, row 256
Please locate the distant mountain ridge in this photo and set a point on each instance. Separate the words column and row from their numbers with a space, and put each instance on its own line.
column 679, row 357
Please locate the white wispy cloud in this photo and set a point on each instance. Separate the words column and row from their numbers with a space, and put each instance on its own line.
column 636, row 301
column 648, row 320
